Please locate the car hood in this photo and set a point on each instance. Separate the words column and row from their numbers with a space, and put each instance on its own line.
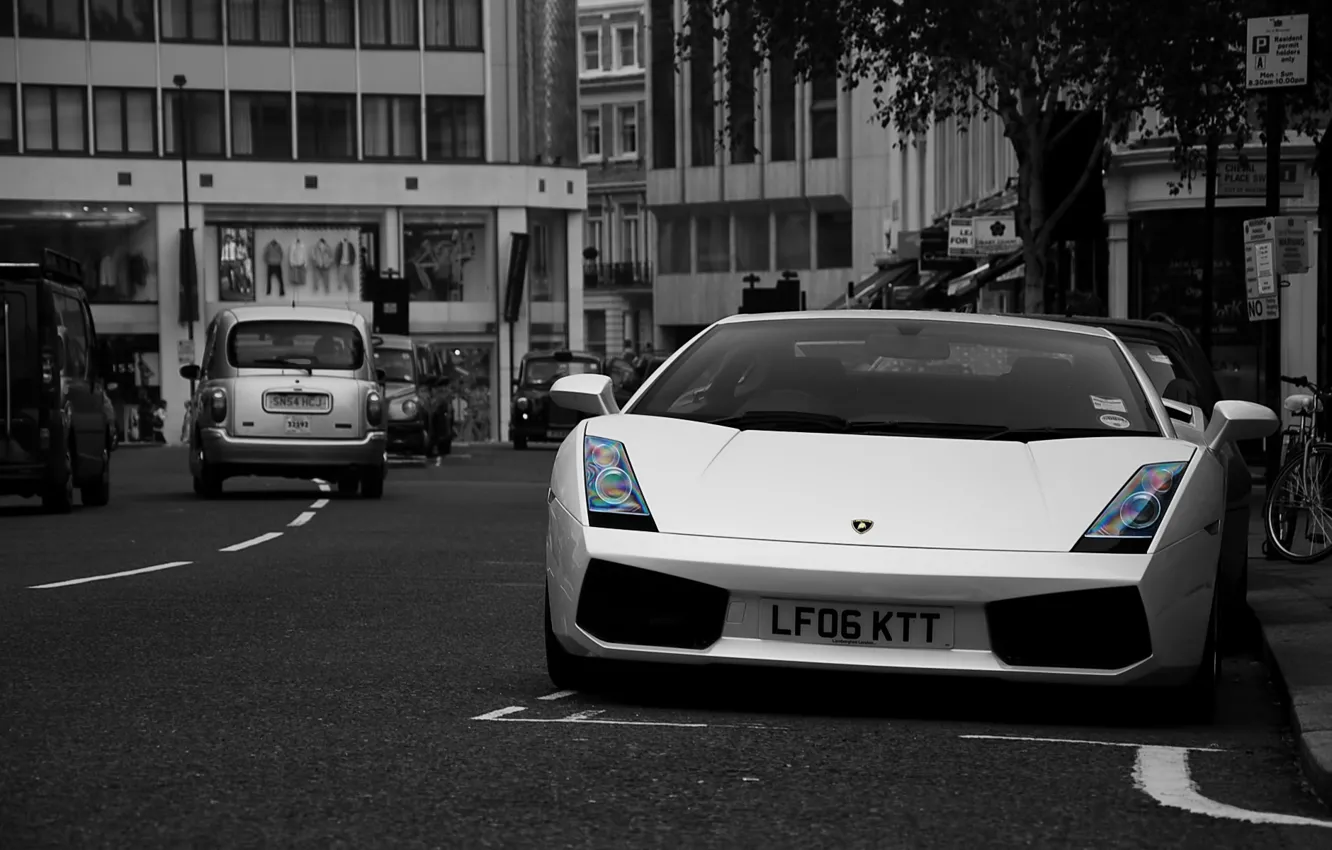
column 923, row 492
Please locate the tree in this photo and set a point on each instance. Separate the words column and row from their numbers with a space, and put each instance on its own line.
column 1014, row 61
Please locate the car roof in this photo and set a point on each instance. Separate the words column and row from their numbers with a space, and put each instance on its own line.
column 268, row 312
column 1008, row 320
column 394, row 341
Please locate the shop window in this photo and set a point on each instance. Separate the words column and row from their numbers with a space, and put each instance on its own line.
column 203, row 125
column 714, row 243
column 257, row 22
column 8, row 119
column 261, row 125
column 470, row 393
column 793, row 240
column 326, row 126
column 276, row 264
column 832, row 232
column 135, row 365
column 782, row 127
column 324, row 23
column 591, row 134
column 823, row 116
column 51, row 18
column 192, row 20
column 391, row 126
column 453, row 24
column 388, row 23
column 446, row 261
column 626, row 118
column 455, row 128
column 751, row 242
column 125, row 121
column 54, row 119
column 117, row 245
column 121, row 20
column 673, row 245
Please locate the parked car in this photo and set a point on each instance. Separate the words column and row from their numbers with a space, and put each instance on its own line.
column 288, row 392
column 58, row 433
column 1179, row 369
column 416, row 388
column 533, row 416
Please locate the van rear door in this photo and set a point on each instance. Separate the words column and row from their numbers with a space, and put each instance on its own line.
column 20, row 371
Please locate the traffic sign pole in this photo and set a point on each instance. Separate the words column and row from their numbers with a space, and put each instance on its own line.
column 1276, row 128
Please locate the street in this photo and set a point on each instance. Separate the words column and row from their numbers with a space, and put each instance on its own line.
column 374, row 676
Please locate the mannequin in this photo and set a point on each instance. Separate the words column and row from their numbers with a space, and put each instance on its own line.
column 273, row 260
column 346, row 263
column 321, row 257
column 296, row 259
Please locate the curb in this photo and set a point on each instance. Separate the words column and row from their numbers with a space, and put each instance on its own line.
column 1297, row 645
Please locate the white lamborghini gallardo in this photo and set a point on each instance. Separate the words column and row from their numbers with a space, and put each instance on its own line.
column 901, row 492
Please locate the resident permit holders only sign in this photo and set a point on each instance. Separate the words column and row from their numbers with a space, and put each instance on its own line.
column 1277, row 52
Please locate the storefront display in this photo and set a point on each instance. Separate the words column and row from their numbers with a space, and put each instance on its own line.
column 116, row 244
column 468, row 368
column 280, row 264
column 136, row 373
column 447, row 261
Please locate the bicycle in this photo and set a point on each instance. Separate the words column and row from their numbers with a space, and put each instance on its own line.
column 1304, row 482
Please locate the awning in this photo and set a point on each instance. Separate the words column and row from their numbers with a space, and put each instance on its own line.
column 866, row 290
column 933, row 286
column 1009, row 267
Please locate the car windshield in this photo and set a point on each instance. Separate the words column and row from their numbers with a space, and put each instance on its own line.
column 542, row 371
column 397, row 363
column 902, row 375
column 1158, row 365
column 291, row 343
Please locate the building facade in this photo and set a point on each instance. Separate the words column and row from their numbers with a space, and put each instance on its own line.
column 327, row 143
column 612, row 87
column 804, row 184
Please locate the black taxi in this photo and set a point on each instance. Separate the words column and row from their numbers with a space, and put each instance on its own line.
column 533, row 416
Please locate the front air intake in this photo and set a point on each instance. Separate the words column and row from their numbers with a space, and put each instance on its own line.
column 628, row 605
column 1101, row 629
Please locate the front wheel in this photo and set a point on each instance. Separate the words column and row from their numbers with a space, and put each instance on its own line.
column 59, row 497
column 207, row 484
column 1302, row 489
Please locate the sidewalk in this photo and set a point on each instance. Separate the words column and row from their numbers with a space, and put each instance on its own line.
column 1293, row 605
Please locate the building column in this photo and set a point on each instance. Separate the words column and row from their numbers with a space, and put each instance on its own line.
column 1117, row 287
column 573, row 254
column 390, row 240
column 175, row 389
column 509, row 220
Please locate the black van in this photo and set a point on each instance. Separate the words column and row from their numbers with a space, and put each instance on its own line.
column 55, row 432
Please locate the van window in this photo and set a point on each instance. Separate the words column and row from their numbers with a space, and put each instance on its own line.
column 280, row 343
column 76, row 336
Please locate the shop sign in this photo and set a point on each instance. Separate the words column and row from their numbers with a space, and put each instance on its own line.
column 1236, row 179
column 996, row 235
column 961, row 238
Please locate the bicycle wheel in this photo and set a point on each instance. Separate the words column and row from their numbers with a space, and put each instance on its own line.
column 1298, row 509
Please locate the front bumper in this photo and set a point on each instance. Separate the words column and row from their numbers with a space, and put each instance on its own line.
column 261, row 456
column 1163, row 629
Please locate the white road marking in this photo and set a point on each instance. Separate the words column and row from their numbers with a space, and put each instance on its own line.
column 319, row 503
column 1162, row 773
column 558, row 695
column 253, row 541
column 304, row 517
column 501, row 715
column 583, row 715
column 325, row 488
column 1080, row 741
column 139, row 571
column 318, row 480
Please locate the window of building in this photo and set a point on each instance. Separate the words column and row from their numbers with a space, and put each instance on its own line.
column 51, row 18
column 673, row 245
column 388, row 23
column 832, row 235
column 7, row 18
column 54, row 119
column 594, row 324
column 662, row 82
column 741, row 93
column 8, row 119
column 192, row 20
column 793, row 240
column 823, row 116
column 455, row 128
column 594, row 232
column 324, row 23
column 751, row 242
column 325, row 126
column 783, row 127
column 121, row 20
column 591, row 134
column 626, row 47
column 453, row 24
column 631, row 229
column 257, row 22
column 714, row 243
column 390, row 126
column 626, row 117
column 591, row 43
column 261, row 125
column 205, row 125
column 702, row 77
column 125, row 121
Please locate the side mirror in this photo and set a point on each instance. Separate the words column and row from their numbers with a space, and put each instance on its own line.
column 190, row 371
column 591, row 394
column 1235, row 421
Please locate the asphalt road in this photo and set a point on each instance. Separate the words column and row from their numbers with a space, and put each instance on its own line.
column 374, row 677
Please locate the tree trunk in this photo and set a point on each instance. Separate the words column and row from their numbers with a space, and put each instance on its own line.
column 1035, row 239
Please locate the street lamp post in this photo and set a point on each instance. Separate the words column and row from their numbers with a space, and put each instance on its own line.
column 182, row 142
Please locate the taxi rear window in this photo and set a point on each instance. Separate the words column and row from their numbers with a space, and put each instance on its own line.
column 279, row 343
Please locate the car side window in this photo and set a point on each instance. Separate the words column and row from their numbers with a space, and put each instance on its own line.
column 76, row 337
column 427, row 363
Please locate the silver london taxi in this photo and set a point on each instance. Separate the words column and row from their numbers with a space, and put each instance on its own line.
column 289, row 392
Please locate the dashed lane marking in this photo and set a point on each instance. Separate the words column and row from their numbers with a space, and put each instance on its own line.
column 558, row 695
column 319, row 503
column 302, row 519
column 253, row 541
column 324, row 486
column 139, row 571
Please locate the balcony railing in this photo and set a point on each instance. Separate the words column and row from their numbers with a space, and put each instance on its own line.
column 626, row 275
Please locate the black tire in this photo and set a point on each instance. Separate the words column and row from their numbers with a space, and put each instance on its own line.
column 348, row 486
column 372, row 484
column 58, row 497
column 566, row 671
column 207, row 484
column 98, row 493
column 519, row 443
column 1196, row 701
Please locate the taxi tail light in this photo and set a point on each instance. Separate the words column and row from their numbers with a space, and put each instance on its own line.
column 374, row 408
column 217, row 404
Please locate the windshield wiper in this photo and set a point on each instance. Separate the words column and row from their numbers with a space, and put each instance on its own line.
column 1027, row 435
column 775, row 419
column 284, row 363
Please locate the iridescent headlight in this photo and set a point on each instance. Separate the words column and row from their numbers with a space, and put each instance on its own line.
column 611, row 485
column 1136, row 511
